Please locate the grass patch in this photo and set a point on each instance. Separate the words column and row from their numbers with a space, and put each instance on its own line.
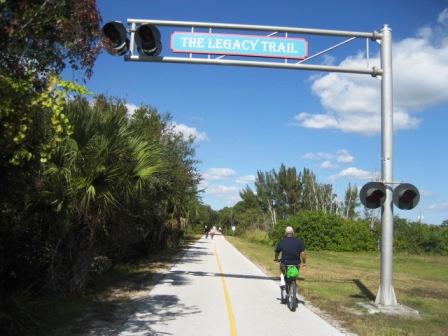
column 336, row 281
column 256, row 236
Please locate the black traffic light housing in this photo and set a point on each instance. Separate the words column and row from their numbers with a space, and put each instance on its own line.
column 406, row 196
column 147, row 38
column 115, row 38
column 373, row 195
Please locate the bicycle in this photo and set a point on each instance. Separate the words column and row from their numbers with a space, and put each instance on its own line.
column 290, row 290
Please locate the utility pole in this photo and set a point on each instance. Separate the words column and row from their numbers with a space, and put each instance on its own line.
column 386, row 293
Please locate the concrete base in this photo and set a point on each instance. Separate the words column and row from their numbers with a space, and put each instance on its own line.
column 398, row 309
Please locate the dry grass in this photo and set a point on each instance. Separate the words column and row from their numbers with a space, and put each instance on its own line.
column 335, row 282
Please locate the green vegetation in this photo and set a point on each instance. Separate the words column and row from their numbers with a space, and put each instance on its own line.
column 329, row 232
column 107, row 297
column 87, row 188
column 116, row 189
column 335, row 282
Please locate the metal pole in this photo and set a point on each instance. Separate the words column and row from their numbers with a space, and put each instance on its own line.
column 275, row 65
column 386, row 293
column 308, row 31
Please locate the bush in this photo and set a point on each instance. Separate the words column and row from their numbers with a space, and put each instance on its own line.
column 320, row 231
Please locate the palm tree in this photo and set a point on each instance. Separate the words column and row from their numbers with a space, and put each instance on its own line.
column 99, row 184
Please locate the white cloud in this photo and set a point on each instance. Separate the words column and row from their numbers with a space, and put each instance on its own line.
column 352, row 103
column 223, row 194
column 245, row 179
column 220, row 190
column 188, row 131
column 214, row 174
column 185, row 130
column 438, row 206
column 341, row 156
column 131, row 108
column 315, row 120
column 426, row 193
column 443, row 18
column 328, row 165
column 229, row 194
column 328, row 59
column 318, row 156
column 354, row 173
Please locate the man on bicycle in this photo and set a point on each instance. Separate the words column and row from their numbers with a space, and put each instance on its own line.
column 292, row 250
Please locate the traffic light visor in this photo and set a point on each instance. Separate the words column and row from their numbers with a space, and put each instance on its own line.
column 373, row 195
column 148, row 42
column 406, row 196
column 115, row 39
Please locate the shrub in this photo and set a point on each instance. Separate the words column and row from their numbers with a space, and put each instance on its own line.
column 320, row 231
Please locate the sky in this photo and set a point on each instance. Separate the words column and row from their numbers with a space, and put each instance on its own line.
column 248, row 119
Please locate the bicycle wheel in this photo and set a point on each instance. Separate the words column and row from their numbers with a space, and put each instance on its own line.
column 283, row 294
column 292, row 299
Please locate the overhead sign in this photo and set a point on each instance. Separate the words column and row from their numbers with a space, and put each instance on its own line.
column 241, row 45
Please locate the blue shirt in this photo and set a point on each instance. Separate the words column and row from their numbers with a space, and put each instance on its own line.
column 290, row 247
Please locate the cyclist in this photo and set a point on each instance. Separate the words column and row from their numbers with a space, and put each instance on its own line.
column 292, row 250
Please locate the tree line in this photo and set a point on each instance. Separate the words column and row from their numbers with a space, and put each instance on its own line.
column 287, row 198
column 283, row 193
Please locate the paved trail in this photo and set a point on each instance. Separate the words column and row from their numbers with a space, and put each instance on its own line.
column 215, row 290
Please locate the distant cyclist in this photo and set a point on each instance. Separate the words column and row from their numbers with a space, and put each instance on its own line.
column 292, row 250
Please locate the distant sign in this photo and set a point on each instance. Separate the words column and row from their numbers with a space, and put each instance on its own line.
column 241, row 45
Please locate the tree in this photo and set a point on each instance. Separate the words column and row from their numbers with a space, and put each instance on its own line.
column 41, row 36
column 37, row 39
column 96, row 187
column 181, row 180
column 350, row 203
column 289, row 193
column 206, row 216
column 226, row 218
column 292, row 192
column 265, row 184
column 310, row 190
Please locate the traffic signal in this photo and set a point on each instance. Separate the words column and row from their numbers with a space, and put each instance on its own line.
column 406, row 196
column 116, row 41
column 373, row 195
column 148, row 42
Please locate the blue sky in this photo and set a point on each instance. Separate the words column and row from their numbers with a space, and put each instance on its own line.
column 254, row 119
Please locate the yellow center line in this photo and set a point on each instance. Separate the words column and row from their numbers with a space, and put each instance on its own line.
column 226, row 295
